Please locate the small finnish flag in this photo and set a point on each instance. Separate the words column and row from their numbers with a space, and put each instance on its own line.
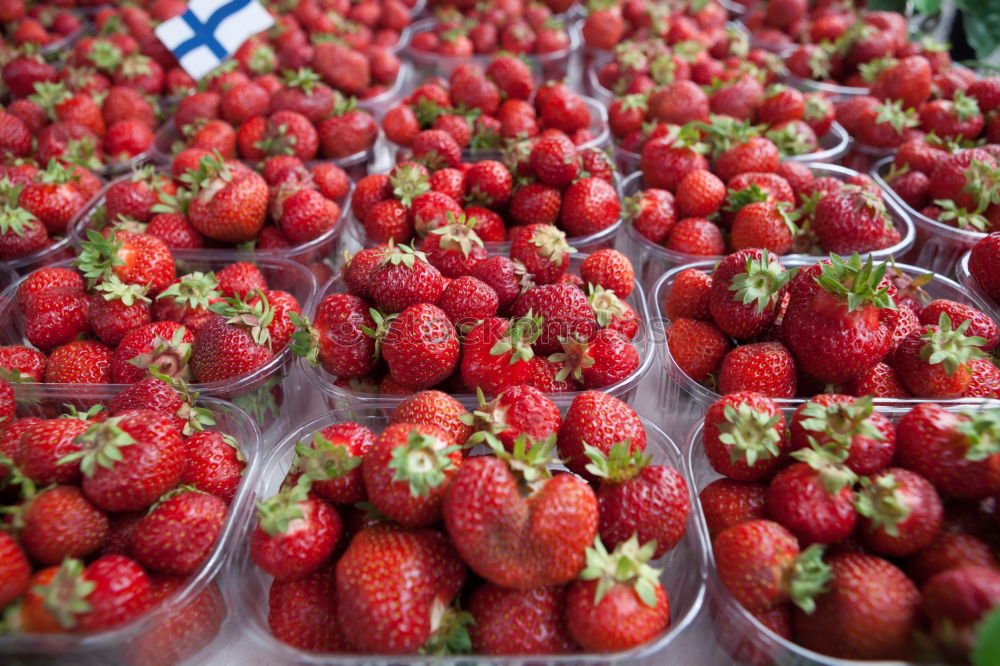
column 210, row 31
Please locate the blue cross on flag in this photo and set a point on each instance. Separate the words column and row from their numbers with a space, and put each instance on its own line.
column 210, row 31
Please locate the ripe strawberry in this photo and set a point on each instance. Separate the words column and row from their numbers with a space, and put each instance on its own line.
column 467, row 301
column 55, row 317
column 980, row 324
column 229, row 204
column 116, row 308
column 666, row 161
column 618, row 601
column 512, row 76
column 214, row 464
column 834, row 334
column 604, row 359
column 869, row 612
column 404, row 278
column 696, row 236
column 332, row 460
column 79, row 362
column 234, row 342
column 436, row 149
column 497, row 354
column 535, row 203
column 726, row 503
column 545, row 545
column 765, row 225
column 420, row 346
column 164, row 346
column 956, row 601
column 20, row 363
column 601, row 421
column 814, row 498
column 434, row 408
column 933, row 361
column 138, row 259
column 178, row 534
column 302, row 612
column 881, row 381
column 848, row 428
column 515, row 412
column 589, row 205
column 307, row 215
column 763, row 367
column 689, row 295
column 609, row 269
column 760, row 564
column 370, row 594
column 553, row 160
column 744, row 436
column 15, row 572
column 746, row 289
column 129, row 461
column 700, row 194
column 697, row 347
column 519, row 622
column 60, row 523
column 900, row 512
column 565, row 311
column 543, row 250
column 455, row 248
column 43, row 444
column 295, row 534
column 54, row 199
column 337, row 338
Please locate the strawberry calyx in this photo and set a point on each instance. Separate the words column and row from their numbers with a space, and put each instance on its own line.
column 761, row 282
column 892, row 112
column 305, row 78
column 841, row 422
column 49, row 95
column 408, row 182
column 113, row 288
column 982, row 434
column 663, row 70
column 101, row 446
column 635, row 102
column 195, row 291
column 253, row 317
column 305, row 339
column 277, row 141
column 174, row 492
column 870, row 70
column 450, row 635
column 952, row 348
column 815, row 108
column 575, row 358
column 606, row 305
column 529, row 461
column 15, row 219
column 105, row 55
column 620, row 464
column 808, row 578
column 402, row 255
column 458, row 235
column 963, row 106
column 626, row 565
column 551, row 243
column 819, row 63
column 489, row 420
column 834, row 475
column 65, row 596
column 422, row 463
column 123, row 222
column 167, row 358
column 56, row 173
column 323, row 460
column 99, row 255
column 275, row 514
column 882, row 503
column 737, row 199
column 262, row 60
column 739, row 41
column 83, row 152
column 210, row 168
column 749, row 434
column 382, row 324
column 517, row 339
column 790, row 141
column 725, row 132
column 136, row 65
column 982, row 182
column 856, row 283
column 72, row 412
column 960, row 217
column 195, row 418
column 14, row 476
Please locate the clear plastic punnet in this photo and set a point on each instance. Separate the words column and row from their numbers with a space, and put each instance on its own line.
column 964, row 277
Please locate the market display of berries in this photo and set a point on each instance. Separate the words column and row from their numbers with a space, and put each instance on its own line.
column 845, row 323
column 574, row 555
column 449, row 315
column 783, row 208
column 122, row 313
column 850, row 534
column 485, row 108
column 466, row 458
column 115, row 509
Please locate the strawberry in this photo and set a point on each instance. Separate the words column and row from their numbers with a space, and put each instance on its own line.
column 134, row 258
column 853, row 220
column 337, row 337
column 956, row 602
column 467, row 301
column 404, row 278
column 43, row 444
column 332, row 460
column 187, row 300
column 700, row 194
column 933, row 361
column 15, row 572
column 505, row 276
column 763, row 367
column 130, row 460
column 544, row 544
column 512, row 76
column 696, row 236
column 846, row 427
column 116, row 308
column 901, row 512
column 604, row 359
column 307, row 215
column 839, row 319
column 229, row 204
column 949, row 450
column 726, row 503
column 54, row 317
column 214, row 464
column 370, row 594
column 666, row 160
column 188, row 627
column 234, row 342
column 868, row 613
column 515, row 412
column 639, row 500
column 54, row 199
column 240, row 278
column 814, row 498
column 543, row 250
column 20, row 363
column 765, row 225
column 79, row 362
column 163, row 346
column 455, row 248
column 420, row 346
column 60, row 523
column 689, row 295
column 618, row 601
column 609, row 269
column 760, row 564
column 980, row 324
column 881, row 381
column 497, row 354
column 566, row 313
column 434, row 408
column 553, row 160
column 508, row 621
column 302, row 612
column 697, row 347
column 589, row 206
column 746, row 288
column 535, row 203
column 295, row 534
column 601, row 421
column 178, row 534
column 436, row 149
column 744, row 436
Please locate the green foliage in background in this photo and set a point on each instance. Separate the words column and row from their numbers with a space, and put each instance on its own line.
column 980, row 18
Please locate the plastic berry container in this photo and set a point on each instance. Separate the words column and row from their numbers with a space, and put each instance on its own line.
column 379, row 104
column 260, row 393
column 246, row 586
column 544, row 66
column 831, row 89
column 652, row 259
column 967, row 280
column 686, row 400
column 336, row 397
column 736, row 630
column 64, row 248
column 318, row 255
column 153, row 638
column 939, row 246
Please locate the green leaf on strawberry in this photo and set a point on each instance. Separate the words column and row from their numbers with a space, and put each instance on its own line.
column 620, row 464
column 857, row 283
column 810, row 578
column 627, row 564
column 881, row 502
column 323, row 460
column 101, row 446
column 254, row 318
column 65, row 596
column 982, row 434
column 275, row 513
column 98, row 255
column 952, row 348
column 421, row 464
column 749, row 434
column 761, row 282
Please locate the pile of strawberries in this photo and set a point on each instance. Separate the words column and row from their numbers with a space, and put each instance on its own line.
column 124, row 314
column 40, row 24
column 110, row 512
column 849, row 534
column 850, row 324
column 449, row 315
column 485, row 109
column 546, row 562
column 491, row 29
column 610, row 22
column 756, row 201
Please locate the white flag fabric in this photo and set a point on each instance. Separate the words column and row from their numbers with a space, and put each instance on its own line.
column 211, row 31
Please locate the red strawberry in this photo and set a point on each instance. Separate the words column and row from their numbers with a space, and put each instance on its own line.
column 848, row 428
column 601, row 421
column 697, row 347
column 956, row 602
column 178, row 534
column 467, row 301
column 214, row 464
column 726, row 503
column 689, row 295
column 54, row 317
column 60, row 523
column 332, row 460
column 404, row 278
column 497, row 354
column 589, row 205
column 696, row 236
column 980, row 325
column 814, row 498
column 420, row 346
column 229, row 204
column 933, row 361
column 565, row 311
column 135, row 258
column 116, row 308
column 234, row 342
column 535, row 203
column 744, row 436
column 515, row 412
column 609, row 269
column 554, row 161
column 604, row 359
column 455, row 248
column 763, row 367
column 337, row 338
column 302, row 612
column 900, row 512
column 543, row 250
column 164, row 346
column 79, row 362
column 15, row 572
column 43, row 444
column 519, row 622
column 434, row 408
column 746, row 288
